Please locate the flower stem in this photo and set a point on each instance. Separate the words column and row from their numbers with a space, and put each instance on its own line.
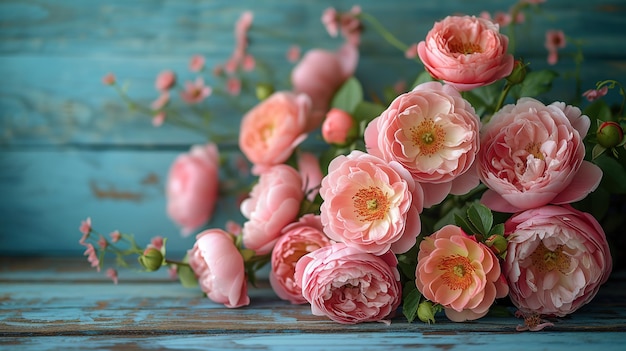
column 503, row 95
column 178, row 263
column 390, row 38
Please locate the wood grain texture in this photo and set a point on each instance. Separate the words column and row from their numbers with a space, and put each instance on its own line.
column 69, row 147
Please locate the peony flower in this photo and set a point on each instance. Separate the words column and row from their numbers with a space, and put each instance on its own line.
column 274, row 202
column 348, row 285
column 338, row 127
column 195, row 91
column 461, row 274
column 297, row 239
column 532, row 155
column 370, row 204
column 434, row 133
column 192, row 187
column 219, row 268
column 165, row 81
column 557, row 259
column 320, row 74
column 466, row 52
column 272, row 129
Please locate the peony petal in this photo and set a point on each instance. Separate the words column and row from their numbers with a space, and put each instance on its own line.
column 586, row 180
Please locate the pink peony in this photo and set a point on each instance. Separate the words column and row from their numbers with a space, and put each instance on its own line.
column 557, row 259
column 320, row 74
column 196, row 91
column 219, row 268
column 348, row 285
column 165, row 80
column 274, row 202
column 272, row 129
column 370, row 204
column 338, row 127
column 434, row 133
column 459, row 273
column 297, row 239
column 466, row 52
column 192, row 187
column 532, row 155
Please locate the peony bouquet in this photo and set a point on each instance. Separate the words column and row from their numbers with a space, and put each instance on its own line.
column 462, row 192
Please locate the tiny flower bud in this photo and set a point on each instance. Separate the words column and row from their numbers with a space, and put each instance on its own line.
column 152, row 259
column 108, row 79
column 497, row 244
column 263, row 91
column 610, row 134
column 518, row 74
column 338, row 127
column 426, row 312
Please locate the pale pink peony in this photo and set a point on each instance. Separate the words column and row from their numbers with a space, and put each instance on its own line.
column 311, row 173
column 271, row 130
column 461, row 274
column 274, row 202
column 219, row 268
column 165, row 80
column 557, row 259
column 434, row 133
column 348, row 285
column 195, row 91
column 320, row 74
column 466, row 52
column 370, row 204
column 297, row 239
column 192, row 187
column 532, row 155
column 338, row 127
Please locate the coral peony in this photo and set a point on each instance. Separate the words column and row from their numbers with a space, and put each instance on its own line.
column 219, row 268
column 348, row 285
column 557, row 259
column 370, row 204
column 193, row 186
column 272, row 129
column 466, row 52
column 532, row 155
column 274, row 202
column 459, row 273
column 434, row 133
column 297, row 239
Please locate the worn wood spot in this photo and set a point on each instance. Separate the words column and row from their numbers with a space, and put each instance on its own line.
column 112, row 193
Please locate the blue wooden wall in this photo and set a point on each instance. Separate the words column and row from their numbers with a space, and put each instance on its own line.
column 70, row 148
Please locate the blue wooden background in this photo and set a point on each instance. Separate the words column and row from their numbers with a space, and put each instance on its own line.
column 69, row 147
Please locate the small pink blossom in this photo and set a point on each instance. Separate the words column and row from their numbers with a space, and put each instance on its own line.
column 329, row 19
column 196, row 91
column 115, row 236
column 348, row 285
column 233, row 85
column 338, row 127
column 347, row 23
column 461, row 274
column 411, row 52
column 500, row 18
column 108, row 79
column 248, row 63
column 297, row 239
column 555, row 40
column 85, row 226
column 595, row 94
column 165, row 80
column 196, row 63
column 112, row 274
column 293, row 54
column 92, row 256
column 158, row 119
column 102, row 243
column 161, row 101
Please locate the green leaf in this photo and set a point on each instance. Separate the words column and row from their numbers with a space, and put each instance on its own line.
column 537, row 82
column 614, row 174
column 349, row 96
column 367, row 111
column 497, row 229
column 186, row 276
column 597, row 151
column 410, row 305
column 480, row 216
column 483, row 99
column 598, row 110
column 467, row 227
column 423, row 77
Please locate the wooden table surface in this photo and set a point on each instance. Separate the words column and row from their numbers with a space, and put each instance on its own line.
column 62, row 304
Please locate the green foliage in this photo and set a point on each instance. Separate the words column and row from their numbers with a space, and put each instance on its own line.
column 535, row 84
column 186, row 276
column 348, row 96
column 411, row 303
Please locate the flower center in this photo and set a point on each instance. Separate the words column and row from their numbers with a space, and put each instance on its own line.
column 465, row 48
column 545, row 260
column 535, row 150
column 457, row 272
column 370, row 204
column 428, row 137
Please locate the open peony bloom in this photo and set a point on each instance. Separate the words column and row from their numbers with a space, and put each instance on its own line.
column 297, row 239
column 193, row 187
column 274, row 202
column 272, row 129
column 466, row 52
column 557, row 259
column 370, row 204
column 434, row 133
column 459, row 273
column 348, row 285
column 532, row 155
column 219, row 267
column 320, row 74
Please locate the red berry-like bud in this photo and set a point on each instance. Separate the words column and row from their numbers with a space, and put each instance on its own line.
column 610, row 134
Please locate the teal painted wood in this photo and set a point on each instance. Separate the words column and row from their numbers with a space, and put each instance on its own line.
column 61, row 130
column 51, row 304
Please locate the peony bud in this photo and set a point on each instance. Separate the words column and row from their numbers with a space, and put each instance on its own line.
column 426, row 312
column 497, row 244
column 263, row 91
column 338, row 127
column 152, row 259
column 518, row 74
column 610, row 134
